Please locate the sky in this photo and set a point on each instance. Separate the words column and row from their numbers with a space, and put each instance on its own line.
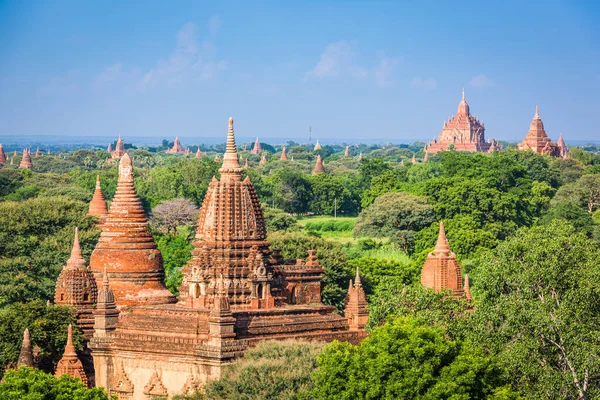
column 354, row 71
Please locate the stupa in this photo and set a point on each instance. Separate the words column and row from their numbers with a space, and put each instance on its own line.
column 2, row 156
column 256, row 150
column 98, row 205
column 283, row 154
column 317, row 146
column 355, row 309
column 119, row 150
column 441, row 269
column 109, row 149
column 127, row 250
column 347, row 152
column 236, row 292
column 38, row 153
column 462, row 132
column 263, row 160
column 246, row 166
column 69, row 364
column 26, row 355
column 537, row 140
column 76, row 287
column 319, row 168
column 177, row 147
column 26, row 160
column 198, row 153
column 564, row 151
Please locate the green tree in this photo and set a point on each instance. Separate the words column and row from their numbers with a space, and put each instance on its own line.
column 47, row 326
column 538, row 304
column 291, row 191
column 329, row 192
column 585, row 192
column 176, row 251
column 32, row 384
column 278, row 220
column 407, row 359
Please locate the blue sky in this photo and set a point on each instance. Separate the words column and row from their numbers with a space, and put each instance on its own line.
column 354, row 71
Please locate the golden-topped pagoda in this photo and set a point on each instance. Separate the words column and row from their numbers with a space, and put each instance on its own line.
column 462, row 132
column 537, row 139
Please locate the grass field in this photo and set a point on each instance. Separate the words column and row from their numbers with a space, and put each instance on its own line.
column 337, row 229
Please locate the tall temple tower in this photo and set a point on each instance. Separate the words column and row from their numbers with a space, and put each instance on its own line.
column 256, row 150
column 537, row 139
column 26, row 160
column 462, row 132
column 127, row 250
column 177, row 147
column 119, row 150
column 441, row 269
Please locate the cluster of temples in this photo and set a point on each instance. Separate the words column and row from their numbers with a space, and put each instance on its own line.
column 537, row 139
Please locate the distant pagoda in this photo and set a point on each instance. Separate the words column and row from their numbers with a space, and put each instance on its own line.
column 2, row 156
column 119, row 150
column 256, row 150
column 462, row 132
column 283, row 155
column 317, row 146
column 538, row 141
column 177, row 147
column 26, row 160
column 319, row 168
column 98, row 205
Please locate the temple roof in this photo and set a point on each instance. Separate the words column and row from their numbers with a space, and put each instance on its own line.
column 441, row 269
column 98, row 205
column 319, row 168
column 26, row 355
column 69, row 364
column 26, row 160
column 317, row 146
column 256, row 150
column 283, row 154
column 177, row 147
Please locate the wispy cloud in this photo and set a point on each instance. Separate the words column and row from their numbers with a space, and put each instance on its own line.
column 422, row 83
column 110, row 73
column 339, row 59
column 481, row 82
column 191, row 60
column 61, row 84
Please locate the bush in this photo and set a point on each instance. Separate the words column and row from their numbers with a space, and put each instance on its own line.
column 332, row 225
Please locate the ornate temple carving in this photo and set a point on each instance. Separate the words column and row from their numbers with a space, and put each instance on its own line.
column 462, row 132
column 155, row 389
column 69, row 364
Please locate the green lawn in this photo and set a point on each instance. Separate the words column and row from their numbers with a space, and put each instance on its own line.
column 327, row 227
column 302, row 221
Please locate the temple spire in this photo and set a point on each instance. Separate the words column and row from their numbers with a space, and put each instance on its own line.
column 537, row 112
column 76, row 261
column 70, row 348
column 98, row 205
column 26, row 355
column 442, row 245
column 231, row 163
column 357, row 281
column 463, row 93
column 467, row 288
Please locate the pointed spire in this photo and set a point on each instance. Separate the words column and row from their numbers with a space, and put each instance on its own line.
column 70, row 348
column 467, row 288
column 26, row 355
column 414, row 159
column 318, row 169
column 2, row 155
column 231, row 163
column 256, row 150
column 347, row 152
column 198, row 153
column 283, row 154
column 263, row 160
column 442, row 245
column 246, row 166
column 98, row 205
column 537, row 112
column 317, row 146
column 76, row 261
column 357, row 281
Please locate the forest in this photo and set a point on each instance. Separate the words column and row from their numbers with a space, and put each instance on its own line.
column 525, row 228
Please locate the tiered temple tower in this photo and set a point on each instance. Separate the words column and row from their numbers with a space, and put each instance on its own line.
column 2, row 156
column 538, row 141
column 319, row 168
column 26, row 160
column 127, row 250
column 441, row 269
column 463, row 131
column 177, row 147
column 76, row 287
column 98, row 205
column 356, row 305
column 119, row 150
column 70, row 364
column 256, row 150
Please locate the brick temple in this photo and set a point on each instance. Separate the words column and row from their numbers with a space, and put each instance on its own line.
column 177, row 147
column 537, row 139
column 236, row 291
column 462, row 132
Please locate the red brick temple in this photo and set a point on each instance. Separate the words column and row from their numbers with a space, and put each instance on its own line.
column 462, row 132
column 256, row 150
column 236, row 291
column 119, row 150
column 538, row 141
column 177, row 147
column 2, row 156
column 26, row 160
column 318, row 168
column 442, row 271
column 98, row 206
column 283, row 154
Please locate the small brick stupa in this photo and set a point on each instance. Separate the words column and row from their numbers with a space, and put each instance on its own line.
column 109, row 149
column 319, row 168
column 263, row 160
column 441, row 269
column 177, row 147
column 98, row 205
column 76, row 287
column 246, row 165
column 347, row 152
column 462, row 132
column 317, row 146
column 198, row 153
column 126, row 248
column 26, row 160
column 26, row 354
column 119, row 150
column 355, row 310
column 256, row 150
column 538, row 141
column 38, row 153
column 2, row 156
column 69, row 364
column 564, row 151
column 283, row 154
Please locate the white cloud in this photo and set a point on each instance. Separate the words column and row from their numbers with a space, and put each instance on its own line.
column 421, row 83
column 110, row 73
column 385, row 71
column 339, row 60
column 481, row 81
column 191, row 60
